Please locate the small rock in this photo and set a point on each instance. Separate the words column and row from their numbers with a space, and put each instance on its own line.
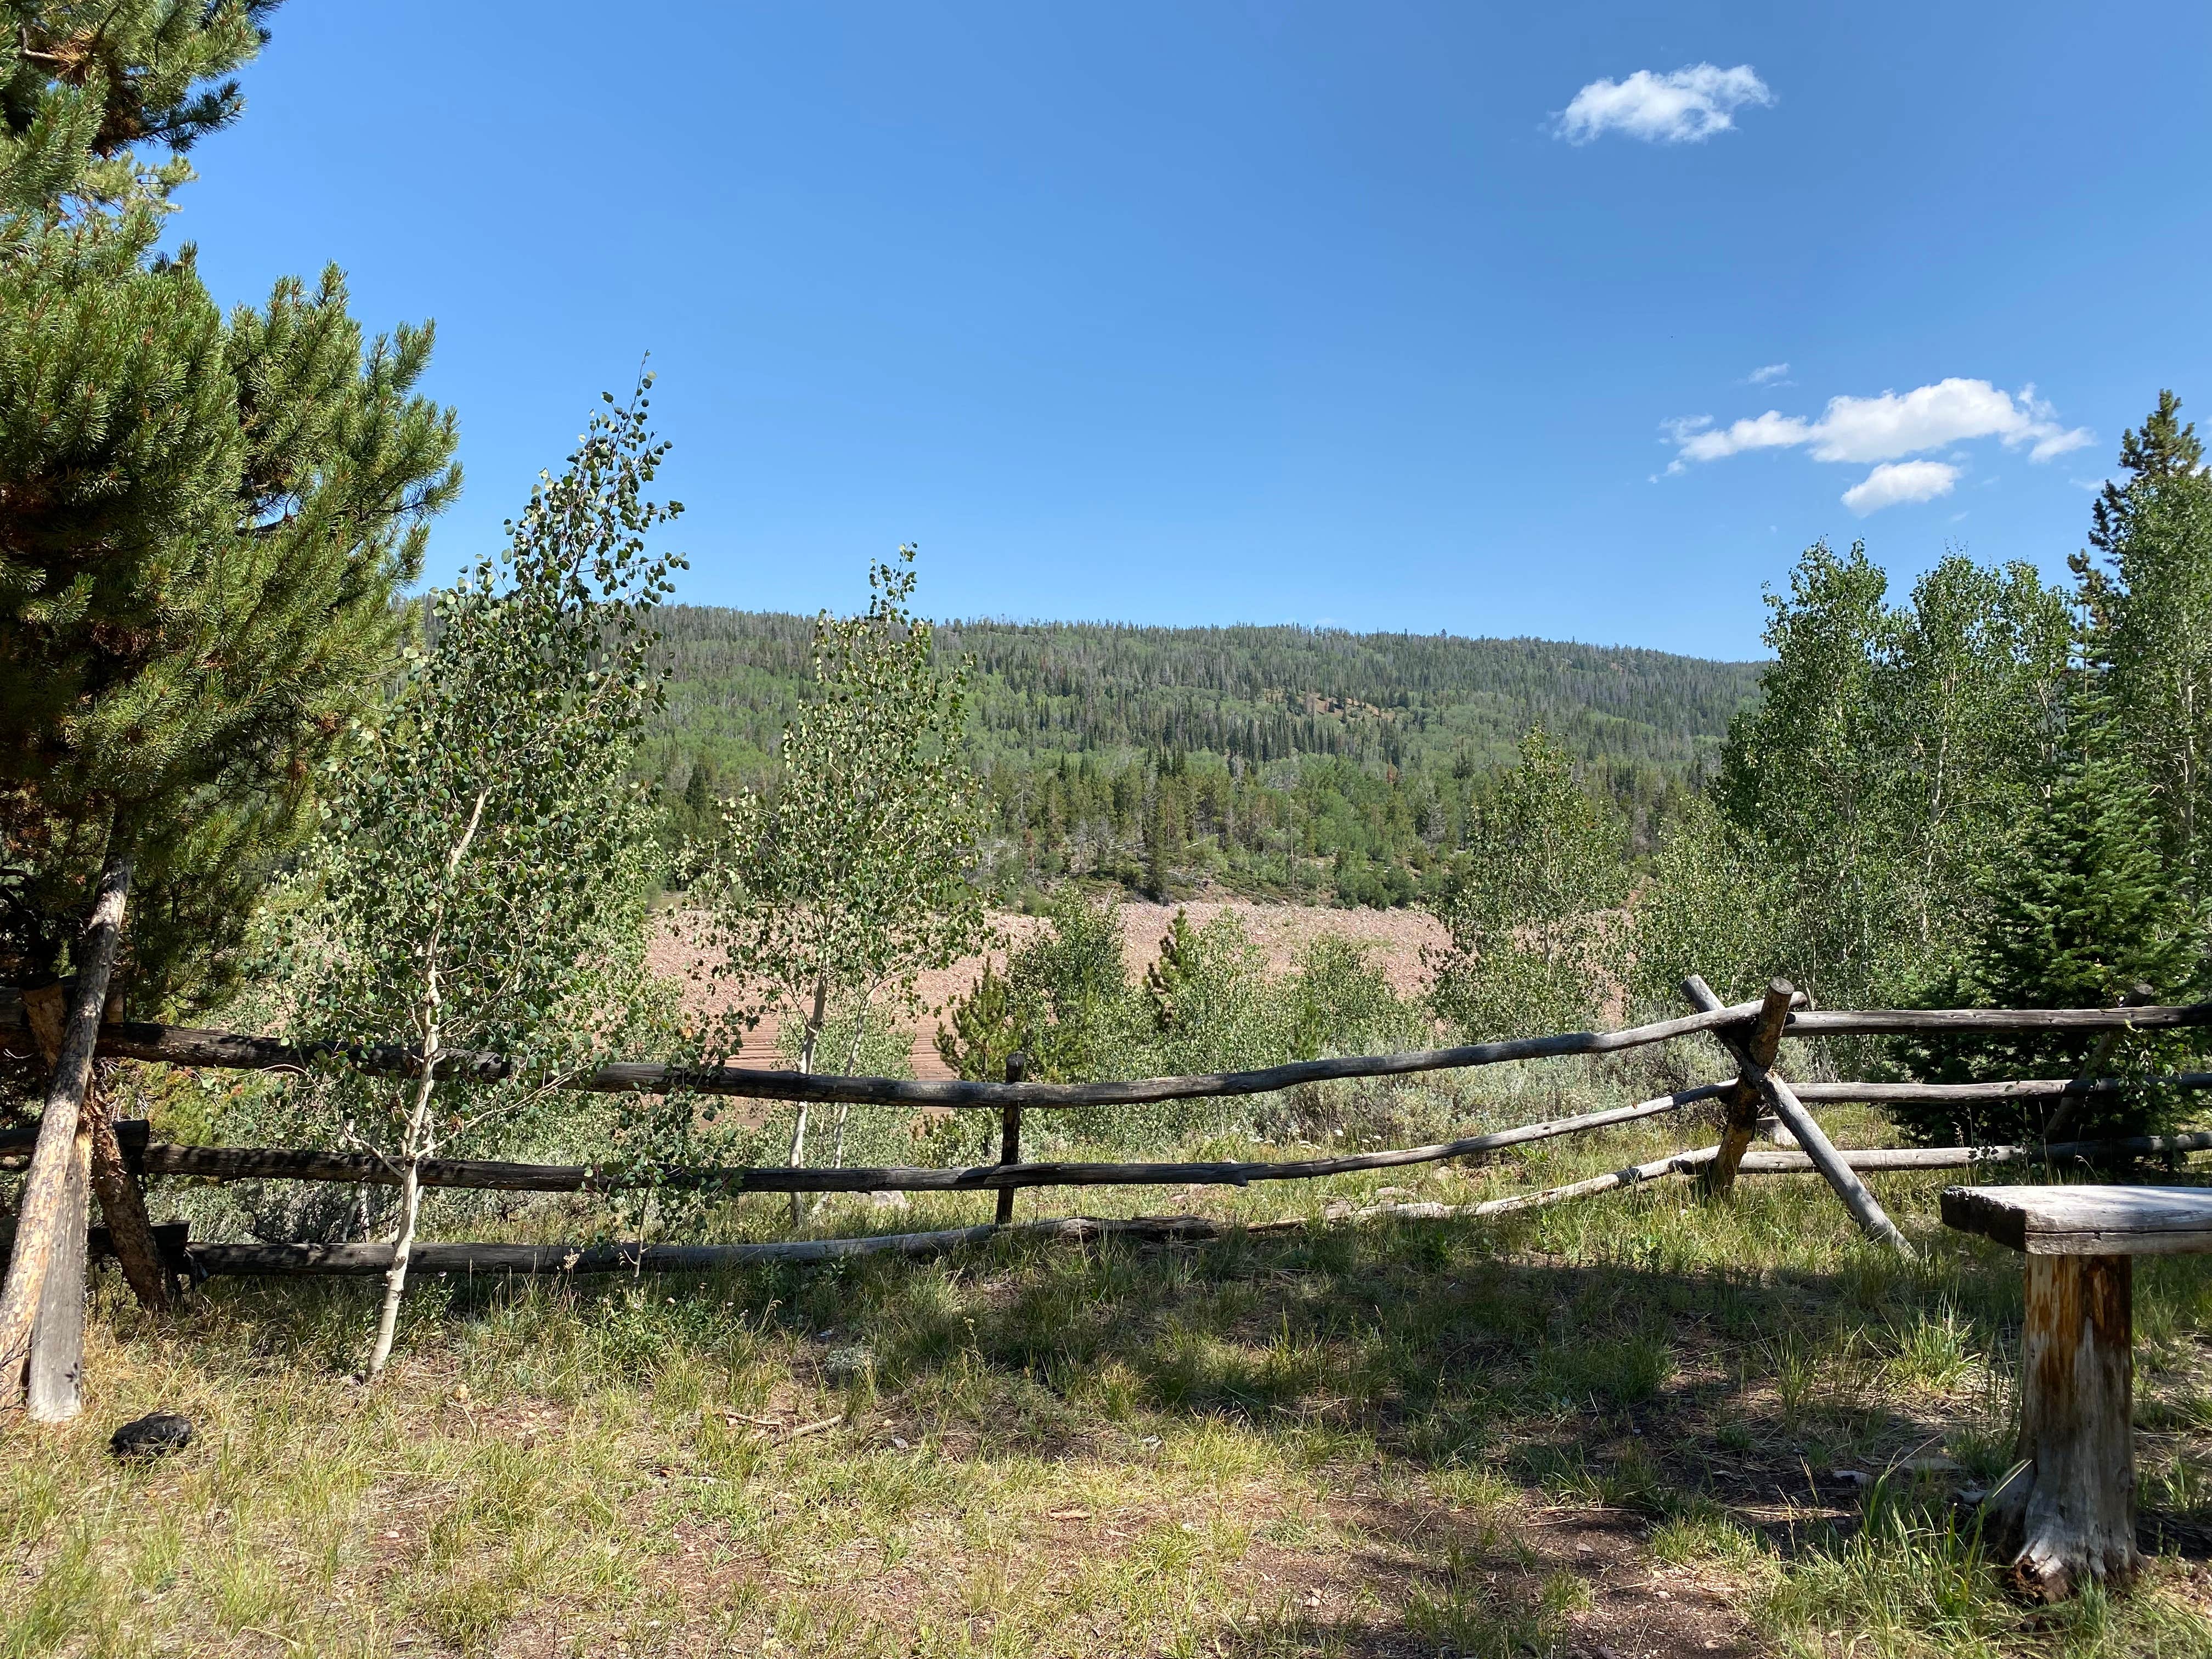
column 1930, row 1464
column 889, row 1201
column 156, row 1436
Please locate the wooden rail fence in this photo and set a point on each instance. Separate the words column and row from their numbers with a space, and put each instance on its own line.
column 1750, row 1032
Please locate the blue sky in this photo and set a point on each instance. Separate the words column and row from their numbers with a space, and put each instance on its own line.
column 1387, row 316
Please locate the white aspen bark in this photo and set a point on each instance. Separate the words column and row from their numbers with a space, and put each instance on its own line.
column 411, row 1153
column 844, row 1108
column 812, row 1035
column 418, row 1141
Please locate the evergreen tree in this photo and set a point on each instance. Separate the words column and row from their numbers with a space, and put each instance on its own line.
column 2149, row 603
column 2079, row 915
column 2164, row 446
column 1064, row 1000
column 203, row 521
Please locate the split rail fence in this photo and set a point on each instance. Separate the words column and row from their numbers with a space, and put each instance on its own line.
column 1758, row 1094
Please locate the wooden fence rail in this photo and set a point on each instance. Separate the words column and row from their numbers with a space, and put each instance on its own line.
column 192, row 1047
column 1748, row 1030
column 180, row 1045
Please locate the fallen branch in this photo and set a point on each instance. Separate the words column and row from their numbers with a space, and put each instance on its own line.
column 1955, row 1158
column 363, row 1260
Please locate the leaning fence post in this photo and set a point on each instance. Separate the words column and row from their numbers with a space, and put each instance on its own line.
column 1753, row 1053
column 49, row 1226
column 122, row 1200
column 1870, row 1215
column 1010, row 1134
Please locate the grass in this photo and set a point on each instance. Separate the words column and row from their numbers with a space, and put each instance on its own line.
column 1611, row 1427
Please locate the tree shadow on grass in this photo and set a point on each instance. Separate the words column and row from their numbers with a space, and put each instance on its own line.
column 1438, row 1379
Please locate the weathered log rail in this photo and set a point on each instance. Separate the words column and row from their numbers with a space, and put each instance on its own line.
column 180, row 1045
column 1750, row 1032
column 192, row 1047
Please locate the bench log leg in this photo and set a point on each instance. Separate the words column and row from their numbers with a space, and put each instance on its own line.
column 2069, row 1515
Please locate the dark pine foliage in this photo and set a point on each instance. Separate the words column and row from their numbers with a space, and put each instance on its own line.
column 2082, row 914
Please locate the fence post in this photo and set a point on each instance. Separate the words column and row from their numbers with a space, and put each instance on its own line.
column 1872, row 1219
column 1753, row 1055
column 122, row 1200
column 2091, row 1069
column 46, row 1268
column 1010, row 1134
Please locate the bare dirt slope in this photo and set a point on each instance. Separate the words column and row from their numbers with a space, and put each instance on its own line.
column 1396, row 938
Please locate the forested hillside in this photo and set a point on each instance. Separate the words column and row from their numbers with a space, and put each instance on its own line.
column 1270, row 760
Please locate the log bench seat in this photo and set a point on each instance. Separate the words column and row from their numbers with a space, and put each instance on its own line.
column 2067, row 1514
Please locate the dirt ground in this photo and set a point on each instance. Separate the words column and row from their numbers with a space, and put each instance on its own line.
column 1397, row 938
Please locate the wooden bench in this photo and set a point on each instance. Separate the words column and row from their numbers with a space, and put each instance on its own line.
column 2068, row 1513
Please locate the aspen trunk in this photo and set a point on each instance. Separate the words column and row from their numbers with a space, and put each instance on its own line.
column 419, row 1139
column 813, row 1034
column 412, row 1151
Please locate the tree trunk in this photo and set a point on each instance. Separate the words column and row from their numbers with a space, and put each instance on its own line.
column 806, row 1042
column 2069, row 1516
column 56, row 1165
column 412, row 1150
column 418, row 1141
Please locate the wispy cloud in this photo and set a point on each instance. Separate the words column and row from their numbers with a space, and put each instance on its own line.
column 1768, row 375
column 1683, row 106
column 1896, row 482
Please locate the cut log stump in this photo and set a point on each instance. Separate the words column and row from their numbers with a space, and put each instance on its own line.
column 2067, row 1515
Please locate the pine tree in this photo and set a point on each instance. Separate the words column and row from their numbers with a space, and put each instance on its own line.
column 2164, row 446
column 2081, row 913
column 2148, row 605
column 203, row 521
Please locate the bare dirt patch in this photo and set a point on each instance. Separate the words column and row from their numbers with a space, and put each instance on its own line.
column 1395, row 939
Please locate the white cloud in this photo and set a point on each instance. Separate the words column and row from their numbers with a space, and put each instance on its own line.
column 1900, row 481
column 1699, row 440
column 1888, row 426
column 1765, row 376
column 1682, row 107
